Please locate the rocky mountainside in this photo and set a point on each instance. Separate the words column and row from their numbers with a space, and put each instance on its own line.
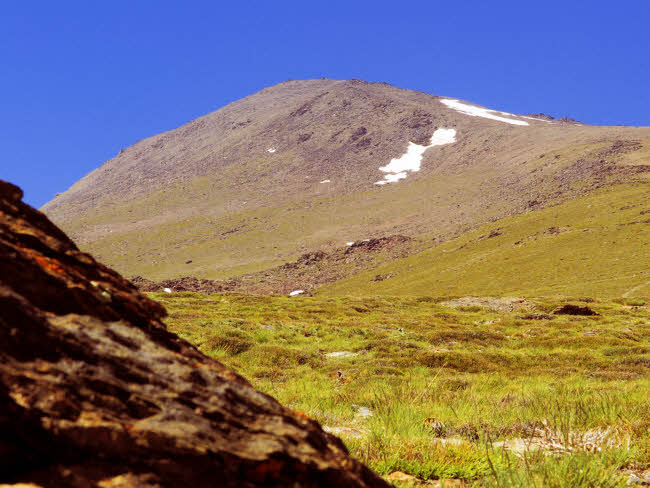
column 306, row 274
column 307, row 166
column 94, row 391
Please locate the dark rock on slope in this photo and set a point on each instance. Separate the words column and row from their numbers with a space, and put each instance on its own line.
column 308, row 272
column 184, row 283
column 94, row 391
column 570, row 309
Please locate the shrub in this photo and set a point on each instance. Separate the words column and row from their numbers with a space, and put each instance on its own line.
column 281, row 356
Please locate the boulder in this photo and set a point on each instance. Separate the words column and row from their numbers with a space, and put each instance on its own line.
column 94, row 391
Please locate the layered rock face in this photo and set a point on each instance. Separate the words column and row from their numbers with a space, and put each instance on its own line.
column 94, row 391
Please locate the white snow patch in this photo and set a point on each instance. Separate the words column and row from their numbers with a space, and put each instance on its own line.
column 411, row 160
column 389, row 178
column 442, row 137
column 349, row 243
column 167, row 290
column 296, row 293
column 271, row 150
column 474, row 111
column 325, row 181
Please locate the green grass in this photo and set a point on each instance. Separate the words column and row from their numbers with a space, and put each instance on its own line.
column 598, row 245
column 446, row 387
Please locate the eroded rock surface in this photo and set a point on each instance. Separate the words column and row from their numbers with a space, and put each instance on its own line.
column 94, row 391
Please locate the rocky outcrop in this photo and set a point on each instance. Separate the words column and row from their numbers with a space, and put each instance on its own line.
column 94, row 391
column 309, row 271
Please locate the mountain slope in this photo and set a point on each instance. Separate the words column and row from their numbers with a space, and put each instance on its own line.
column 596, row 246
column 295, row 167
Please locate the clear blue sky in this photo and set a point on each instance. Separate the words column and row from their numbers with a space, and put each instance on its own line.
column 79, row 80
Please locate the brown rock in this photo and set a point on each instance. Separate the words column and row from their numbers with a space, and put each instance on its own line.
column 94, row 391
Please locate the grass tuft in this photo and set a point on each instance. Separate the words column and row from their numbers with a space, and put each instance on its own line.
column 498, row 399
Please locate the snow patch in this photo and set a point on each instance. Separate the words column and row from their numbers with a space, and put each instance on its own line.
column 296, row 293
column 411, row 160
column 271, row 150
column 325, row 181
column 474, row 111
column 349, row 243
column 391, row 178
column 167, row 290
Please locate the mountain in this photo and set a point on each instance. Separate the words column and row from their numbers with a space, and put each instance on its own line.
column 310, row 166
column 597, row 245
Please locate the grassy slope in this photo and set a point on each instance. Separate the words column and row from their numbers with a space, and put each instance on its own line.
column 242, row 241
column 238, row 240
column 603, row 249
column 488, row 377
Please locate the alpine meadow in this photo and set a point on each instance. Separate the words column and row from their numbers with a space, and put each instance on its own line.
column 213, row 278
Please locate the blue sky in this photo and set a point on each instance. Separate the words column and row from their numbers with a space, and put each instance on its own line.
column 81, row 80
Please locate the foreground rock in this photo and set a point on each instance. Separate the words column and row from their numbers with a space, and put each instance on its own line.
column 94, row 391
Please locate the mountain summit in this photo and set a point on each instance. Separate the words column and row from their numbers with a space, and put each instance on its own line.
column 316, row 164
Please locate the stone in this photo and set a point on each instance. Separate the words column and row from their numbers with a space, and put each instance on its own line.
column 97, row 391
